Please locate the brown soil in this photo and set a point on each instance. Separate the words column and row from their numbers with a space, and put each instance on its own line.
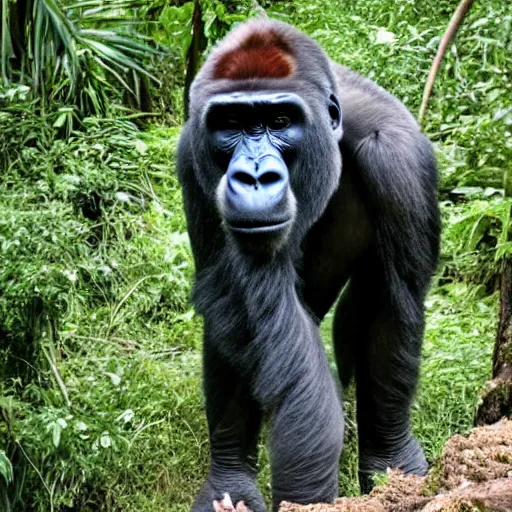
column 474, row 474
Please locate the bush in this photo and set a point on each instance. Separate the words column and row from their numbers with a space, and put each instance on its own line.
column 94, row 314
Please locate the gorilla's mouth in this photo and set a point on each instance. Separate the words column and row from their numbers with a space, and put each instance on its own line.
column 254, row 226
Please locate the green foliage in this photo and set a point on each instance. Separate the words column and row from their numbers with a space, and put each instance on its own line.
column 5, row 467
column 94, row 316
column 476, row 238
column 177, row 23
column 218, row 18
column 457, row 358
column 94, row 201
column 470, row 114
column 135, row 424
column 59, row 57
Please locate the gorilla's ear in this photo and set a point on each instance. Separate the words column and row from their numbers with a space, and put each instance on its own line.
column 334, row 112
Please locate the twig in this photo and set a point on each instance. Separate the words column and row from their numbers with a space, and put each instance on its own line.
column 56, row 374
column 50, row 492
column 451, row 30
column 119, row 305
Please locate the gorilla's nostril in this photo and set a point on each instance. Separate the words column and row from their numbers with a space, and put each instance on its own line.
column 244, row 178
column 269, row 178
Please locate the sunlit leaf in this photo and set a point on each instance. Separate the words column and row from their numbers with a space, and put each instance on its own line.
column 105, row 440
column 116, row 379
column 6, row 470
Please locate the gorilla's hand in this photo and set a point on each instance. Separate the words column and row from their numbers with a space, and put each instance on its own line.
column 214, row 498
column 226, row 505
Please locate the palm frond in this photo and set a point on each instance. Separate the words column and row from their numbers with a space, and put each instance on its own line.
column 112, row 5
column 67, row 58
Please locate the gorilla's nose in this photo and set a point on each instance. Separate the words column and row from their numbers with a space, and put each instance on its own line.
column 256, row 186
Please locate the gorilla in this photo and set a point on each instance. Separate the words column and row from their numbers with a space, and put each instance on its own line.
column 304, row 182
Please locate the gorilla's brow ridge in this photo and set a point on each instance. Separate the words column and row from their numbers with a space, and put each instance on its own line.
column 262, row 54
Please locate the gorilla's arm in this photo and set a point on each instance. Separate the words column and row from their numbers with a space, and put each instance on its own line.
column 234, row 417
column 396, row 169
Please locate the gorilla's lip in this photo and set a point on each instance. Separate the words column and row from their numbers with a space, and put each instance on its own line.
column 258, row 227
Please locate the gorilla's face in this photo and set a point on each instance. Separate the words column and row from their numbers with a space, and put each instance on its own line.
column 257, row 140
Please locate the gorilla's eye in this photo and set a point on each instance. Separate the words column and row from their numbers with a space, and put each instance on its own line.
column 232, row 122
column 280, row 122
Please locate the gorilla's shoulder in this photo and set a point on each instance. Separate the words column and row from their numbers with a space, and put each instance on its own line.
column 368, row 108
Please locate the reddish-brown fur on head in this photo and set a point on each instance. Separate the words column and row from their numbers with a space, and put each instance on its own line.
column 262, row 54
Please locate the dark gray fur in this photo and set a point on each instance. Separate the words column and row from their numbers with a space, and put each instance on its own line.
column 375, row 228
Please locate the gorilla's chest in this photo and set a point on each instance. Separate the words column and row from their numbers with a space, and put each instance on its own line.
column 335, row 243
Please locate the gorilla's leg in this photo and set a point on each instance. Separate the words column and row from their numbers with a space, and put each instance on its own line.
column 234, row 420
column 379, row 327
column 306, row 436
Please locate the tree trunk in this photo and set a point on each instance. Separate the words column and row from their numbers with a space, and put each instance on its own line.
column 197, row 46
column 497, row 396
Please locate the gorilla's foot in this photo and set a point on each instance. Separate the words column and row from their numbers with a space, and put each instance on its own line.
column 219, row 495
column 407, row 456
column 226, row 505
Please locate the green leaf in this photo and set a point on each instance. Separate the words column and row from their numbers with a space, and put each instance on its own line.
column 477, row 232
column 141, row 146
column 126, row 416
column 467, row 191
column 116, row 379
column 177, row 22
column 56, row 56
column 60, row 121
column 5, row 45
column 105, row 440
column 6, row 467
column 56, row 432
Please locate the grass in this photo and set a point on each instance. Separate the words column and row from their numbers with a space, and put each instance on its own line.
column 100, row 394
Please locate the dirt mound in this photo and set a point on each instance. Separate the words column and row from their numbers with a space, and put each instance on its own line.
column 473, row 474
column 485, row 455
